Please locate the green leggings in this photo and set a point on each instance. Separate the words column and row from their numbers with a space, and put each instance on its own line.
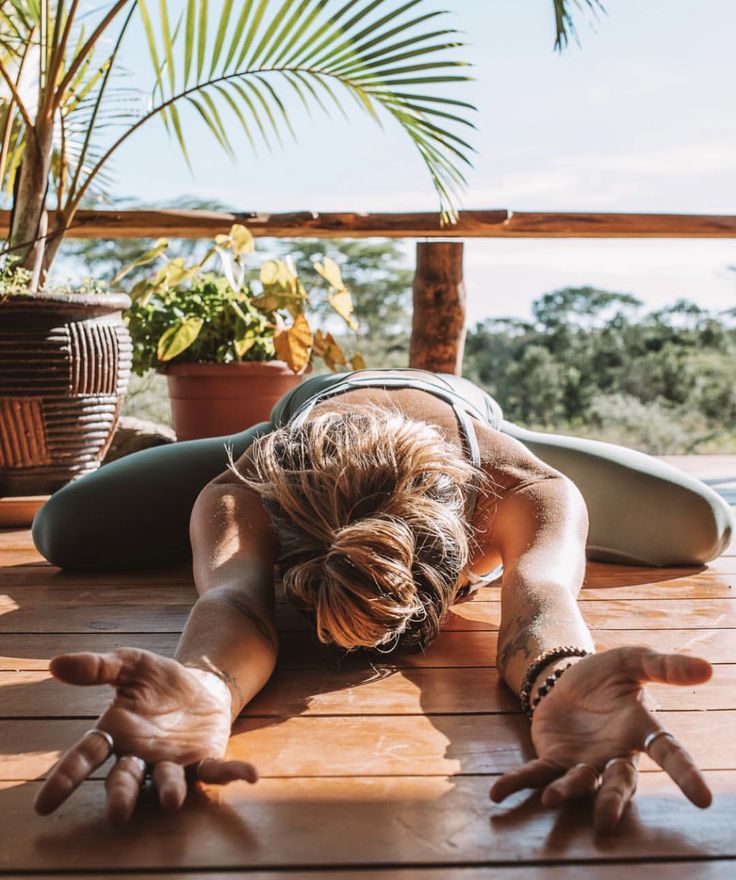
column 135, row 511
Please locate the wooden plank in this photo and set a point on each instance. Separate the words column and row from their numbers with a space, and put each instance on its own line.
column 42, row 575
column 357, row 691
column 690, row 870
column 33, row 585
column 139, row 589
column 501, row 223
column 139, row 593
column 440, row 745
column 298, row 650
column 352, row 822
column 644, row 615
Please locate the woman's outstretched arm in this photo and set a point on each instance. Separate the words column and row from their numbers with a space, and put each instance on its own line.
column 175, row 715
column 590, row 727
column 231, row 631
column 540, row 531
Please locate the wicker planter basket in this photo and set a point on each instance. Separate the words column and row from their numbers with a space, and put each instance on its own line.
column 64, row 368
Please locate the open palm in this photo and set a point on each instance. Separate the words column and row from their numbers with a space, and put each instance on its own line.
column 595, row 713
column 168, row 715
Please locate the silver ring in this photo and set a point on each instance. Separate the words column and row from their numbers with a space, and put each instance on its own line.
column 105, row 735
column 139, row 762
column 621, row 760
column 598, row 777
column 653, row 736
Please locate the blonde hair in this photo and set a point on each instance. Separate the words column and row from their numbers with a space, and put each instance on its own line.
column 368, row 506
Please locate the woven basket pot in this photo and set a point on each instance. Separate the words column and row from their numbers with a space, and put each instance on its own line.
column 64, row 367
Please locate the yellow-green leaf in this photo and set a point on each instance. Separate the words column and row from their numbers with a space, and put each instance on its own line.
column 269, row 273
column 294, row 345
column 342, row 303
column 242, row 240
column 246, row 342
column 178, row 338
column 149, row 256
column 330, row 271
column 175, row 272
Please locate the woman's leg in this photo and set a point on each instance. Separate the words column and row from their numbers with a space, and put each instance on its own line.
column 134, row 511
column 642, row 511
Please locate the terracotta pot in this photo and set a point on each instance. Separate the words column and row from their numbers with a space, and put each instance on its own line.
column 64, row 368
column 215, row 400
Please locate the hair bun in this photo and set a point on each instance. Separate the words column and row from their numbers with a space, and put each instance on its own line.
column 368, row 508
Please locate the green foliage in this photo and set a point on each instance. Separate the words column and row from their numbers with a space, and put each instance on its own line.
column 185, row 314
column 160, row 325
column 14, row 279
column 589, row 363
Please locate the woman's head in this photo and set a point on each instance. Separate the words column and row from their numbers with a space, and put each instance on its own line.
column 368, row 507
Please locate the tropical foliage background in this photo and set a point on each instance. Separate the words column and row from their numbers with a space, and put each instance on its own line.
column 590, row 362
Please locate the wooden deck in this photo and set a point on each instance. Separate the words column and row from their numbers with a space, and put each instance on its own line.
column 366, row 772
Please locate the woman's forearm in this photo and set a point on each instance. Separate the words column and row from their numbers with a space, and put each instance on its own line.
column 536, row 616
column 234, row 639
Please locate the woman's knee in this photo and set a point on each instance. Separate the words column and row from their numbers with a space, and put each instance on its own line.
column 58, row 533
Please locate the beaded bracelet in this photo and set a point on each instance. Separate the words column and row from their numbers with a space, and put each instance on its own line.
column 536, row 667
column 545, row 688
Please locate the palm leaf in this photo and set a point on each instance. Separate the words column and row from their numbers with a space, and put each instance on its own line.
column 392, row 57
column 564, row 21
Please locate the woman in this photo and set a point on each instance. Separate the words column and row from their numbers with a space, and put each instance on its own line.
column 381, row 495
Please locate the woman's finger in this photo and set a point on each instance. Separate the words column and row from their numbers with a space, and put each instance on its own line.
column 533, row 774
column 71, row 770
column 645, row 664
column 218, row 772
column 170, row 783
column 117, row 668
column 579, row 780
column 675, row 761
column 123, row 785
column 619, row 784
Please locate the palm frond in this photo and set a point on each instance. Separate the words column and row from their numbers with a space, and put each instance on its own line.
column 564, row 18
column 383, row 54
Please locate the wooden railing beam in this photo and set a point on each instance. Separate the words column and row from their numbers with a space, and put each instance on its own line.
column 471, row 224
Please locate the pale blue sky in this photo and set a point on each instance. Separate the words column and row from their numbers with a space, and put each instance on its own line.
column 639, row 118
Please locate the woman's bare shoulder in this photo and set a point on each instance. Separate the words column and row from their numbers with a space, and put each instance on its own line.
column 508, row 463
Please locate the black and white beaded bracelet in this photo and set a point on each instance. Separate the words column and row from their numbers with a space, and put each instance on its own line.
column 536, row 667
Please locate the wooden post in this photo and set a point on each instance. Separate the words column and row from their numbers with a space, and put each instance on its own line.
column 438, row 322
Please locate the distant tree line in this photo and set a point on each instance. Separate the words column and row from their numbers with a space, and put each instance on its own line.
column 590, row 362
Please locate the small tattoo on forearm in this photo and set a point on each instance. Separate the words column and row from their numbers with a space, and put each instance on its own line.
column 519, row 642
column 232, row 683
column 260, row 624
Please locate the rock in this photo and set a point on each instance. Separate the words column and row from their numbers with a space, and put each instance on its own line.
column 133, row 434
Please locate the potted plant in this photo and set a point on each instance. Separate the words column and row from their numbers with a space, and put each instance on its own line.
column 64, row 115
column 230, row 343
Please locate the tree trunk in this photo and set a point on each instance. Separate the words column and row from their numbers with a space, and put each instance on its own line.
column 438, row 322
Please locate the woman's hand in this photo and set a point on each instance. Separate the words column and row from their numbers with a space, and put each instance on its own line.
column 595, row 712
column 170, row 716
